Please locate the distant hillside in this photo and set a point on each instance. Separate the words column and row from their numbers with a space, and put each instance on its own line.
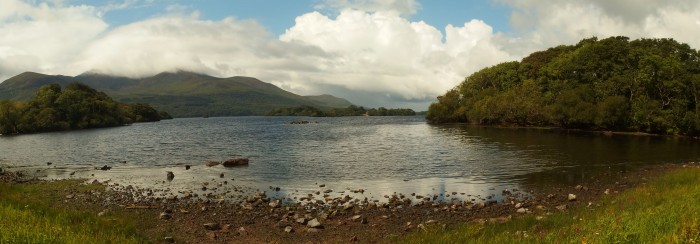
column 182, row 94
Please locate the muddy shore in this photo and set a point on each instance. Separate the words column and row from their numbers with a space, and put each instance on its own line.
column 321, row 218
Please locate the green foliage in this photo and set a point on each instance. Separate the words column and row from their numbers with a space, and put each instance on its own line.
column 663, row 211
column 76, row 107
column 647, row 85
column 351, row 110
column 35, row 218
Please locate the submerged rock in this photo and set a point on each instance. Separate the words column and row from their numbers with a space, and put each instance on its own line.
column 235, row 162
column 213, row 163
column 105, row 167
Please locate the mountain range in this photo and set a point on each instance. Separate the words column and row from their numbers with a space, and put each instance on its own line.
column 181, row 93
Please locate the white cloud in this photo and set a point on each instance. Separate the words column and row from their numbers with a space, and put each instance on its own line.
column 365, row 50
column 547, row 23
column 44, row 38
column 384, row 53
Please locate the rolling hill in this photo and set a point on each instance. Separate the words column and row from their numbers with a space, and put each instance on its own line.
column 182, row 94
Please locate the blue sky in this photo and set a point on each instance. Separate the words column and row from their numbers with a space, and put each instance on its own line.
column 391, row 53
column 278, row 15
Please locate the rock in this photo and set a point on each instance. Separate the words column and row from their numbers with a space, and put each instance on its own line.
column 518, row 205
column 213, row 163
column 314, row 224
column 105, row 167
column 522, row 210
column 165, row 215
column 363, row 221
column 100, row 214
column 561, row 207
column 322, row 185
column 288, row 229
column 70, row 196
column 235, row 162
column 275, row 204
column 221, row 175
column 187, row 167
column 312, row 230
column 170, row 176
column 579, row 187
column 300, row 220
column 49, row 163
column 607, row 192
column 572, row 197
column 169, row 239
column 328, row 191
column 212, row 226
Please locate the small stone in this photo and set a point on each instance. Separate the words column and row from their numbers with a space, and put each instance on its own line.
column 312, row 230
column 221, row 175
column 518, row 205
column 561, row 207
column 579, row 187
column 607, row 192
column 70, row 196
column 165, row 216
column 322, row 185
column 522, row 210
column 212, row 226
column 301, row 220
column 187, row 167
column 170, row 176
column 572, row 197
column 356, row 217
column 314, row 224
column 100, row 214
column 169, row 239
column 288, row 229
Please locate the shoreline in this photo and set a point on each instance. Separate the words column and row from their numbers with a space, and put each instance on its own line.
column 264, row 219
column 560, row 129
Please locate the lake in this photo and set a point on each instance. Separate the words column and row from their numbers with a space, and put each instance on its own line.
column 381, row 155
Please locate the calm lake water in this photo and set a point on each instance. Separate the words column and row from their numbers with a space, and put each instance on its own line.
column 382, row 155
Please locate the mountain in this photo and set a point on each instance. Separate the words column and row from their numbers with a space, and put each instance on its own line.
column 182, row 94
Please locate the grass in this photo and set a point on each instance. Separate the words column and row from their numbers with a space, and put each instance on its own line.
column 665, row 210
column 28, row 214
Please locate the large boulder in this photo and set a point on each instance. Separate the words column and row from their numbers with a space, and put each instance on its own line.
column 235, row 162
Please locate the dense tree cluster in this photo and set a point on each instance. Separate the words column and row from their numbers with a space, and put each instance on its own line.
column 76, row 107
column 646, row 85
column 351, row 110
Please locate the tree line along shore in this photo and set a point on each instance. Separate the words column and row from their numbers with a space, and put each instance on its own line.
column 78, row 106
column 616, row 84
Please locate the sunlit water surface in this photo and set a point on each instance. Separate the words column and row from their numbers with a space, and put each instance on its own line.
column 381, row 155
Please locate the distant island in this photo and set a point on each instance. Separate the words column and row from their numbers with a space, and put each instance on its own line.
column 645, row 85
column 351, row 110
column 180, row 93
column 78, row 106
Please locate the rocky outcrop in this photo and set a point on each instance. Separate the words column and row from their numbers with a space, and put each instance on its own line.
column 236, row 162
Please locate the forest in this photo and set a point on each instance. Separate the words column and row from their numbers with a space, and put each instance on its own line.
column 351, row 110
column 644, row 85
column 78, row 106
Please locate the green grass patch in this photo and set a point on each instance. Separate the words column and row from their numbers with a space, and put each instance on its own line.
column 29, row 214
column 666, row 210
